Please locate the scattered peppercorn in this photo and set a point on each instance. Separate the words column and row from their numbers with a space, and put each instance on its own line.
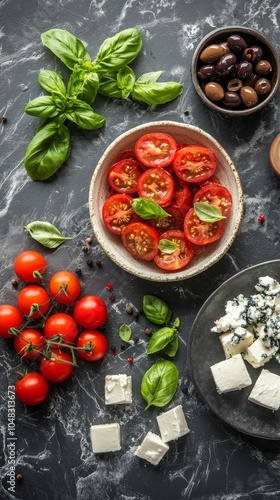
column 19, row 477
column 186, row 112
column 135, row 339
column 89, row 240
column 130, row 359
column 148, row 331
column 85, row 249
column 98, row 263
column 114, row 350
column 112, row 297
column 185, row 390
column 123, row 347
column 14, row 283
column 261, row 218
column 79, row 271
column 4, row 119
column 109, row 286
column 128, row 310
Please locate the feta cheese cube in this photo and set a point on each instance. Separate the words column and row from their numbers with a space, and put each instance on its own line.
column 266, row 391
column 172, row 424
column 236, row 342
column 105, row 438
column 258, row 354
column 231, row 374
column 118, row 389
column 152, row 448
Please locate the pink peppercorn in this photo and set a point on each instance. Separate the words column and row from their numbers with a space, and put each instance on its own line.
column 261, row 218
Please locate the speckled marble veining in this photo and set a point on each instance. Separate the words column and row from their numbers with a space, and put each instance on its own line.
column 53, row 451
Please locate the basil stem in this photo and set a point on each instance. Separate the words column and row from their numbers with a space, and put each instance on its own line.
column 45, row 233
column 160, row 383
column 125, row 332
column 151, row 92
column 156, row 310
column 67, row 47
column 207, row 212
column 148, row 209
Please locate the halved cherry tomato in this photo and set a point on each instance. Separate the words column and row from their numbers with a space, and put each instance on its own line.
column 58, row 367
column 29, row 266
column 128, row 154
column 33, row 301
column 65, row 287
column 28, row 343
column 175, row 220
column 217, row 195
column 32, row 389
column 117, row 212
column 96, row 344
column 123, row 176
column 141, row 240
column 182, row 194
column 156, row 184
column 10, row 317
column 200, row 232
column 211, row 180
column 194, row 163
column 180, row 257
column 155, row 149
column 61, row 324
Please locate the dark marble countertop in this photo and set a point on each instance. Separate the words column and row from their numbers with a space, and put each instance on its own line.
column 52, row 447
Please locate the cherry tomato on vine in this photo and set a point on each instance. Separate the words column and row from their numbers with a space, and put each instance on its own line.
column 30, row 266
column 90, row 312
column 32, row 389
column 95, row 340
column 200, row 232
column 64, row 287
column 156, row 184
column 117, row 212
column 123, row 176
column 181, row 255
column 10, row 317
column 194, row 163
column 28, row 342
column 155, row 149
column 33, row 301
column 61, row 324
column 141, row 240
column 216, row 195
column 58, row 368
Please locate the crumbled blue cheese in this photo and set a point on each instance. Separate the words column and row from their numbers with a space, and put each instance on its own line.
column 172, row 424
column 266, row 391
column 118, row 389
column 236, row 342
column 231, row 374
column 105, row 438
column 152, row 448
column 268, row 285
column 257, row 354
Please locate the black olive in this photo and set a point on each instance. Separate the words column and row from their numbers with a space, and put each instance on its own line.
column 252, row 80
column 231, row 100
column 244, row 69
column 253, row 54
column 236, row 43
column 205, row 72
column 226, row 64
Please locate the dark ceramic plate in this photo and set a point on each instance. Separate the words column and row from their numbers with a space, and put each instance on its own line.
column 205, row 349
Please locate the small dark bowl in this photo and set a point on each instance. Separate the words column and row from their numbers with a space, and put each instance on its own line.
column 252, row 37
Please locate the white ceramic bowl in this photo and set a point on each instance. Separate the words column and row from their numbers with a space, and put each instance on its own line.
column 99, row 191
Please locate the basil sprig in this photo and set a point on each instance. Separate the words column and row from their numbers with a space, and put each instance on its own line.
column 156, row 310
column 207, row 212
column 159, row 383
column 165, row 339
column 46, row 233
column 148, row 209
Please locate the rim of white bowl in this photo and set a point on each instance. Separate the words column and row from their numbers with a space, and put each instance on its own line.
column 111, row 244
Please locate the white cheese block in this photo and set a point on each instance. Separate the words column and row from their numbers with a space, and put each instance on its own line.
column 152, row 448
column 236, row 342
column 105, row 438
column 258, row 354
column 231, row 374
column 172, row 424
column 266, row 391
column 118, row 389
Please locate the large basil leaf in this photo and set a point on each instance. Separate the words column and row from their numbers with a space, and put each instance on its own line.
column 108, row 85
column 51, row 81
column 156, row 310
column 160, row 339
column 207, row 212
column 45, row 233
column 148, row 209
column 118, row 50
column 43, row 107
column 83, row 115
column 83, row 84
column 151, row 92
column 126, row 80
column 67, row 47
column 173, row 346
column 160, row 383
column 47, row 151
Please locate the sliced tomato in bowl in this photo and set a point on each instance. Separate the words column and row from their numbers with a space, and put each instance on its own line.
column 200, row 232
column 194, row 163
column 123, row 176
column 174, row 220
column 156, row 184
column 216, row 195
column 117, row 212
column 155, row 149
column 140, row 240
column 179, row 257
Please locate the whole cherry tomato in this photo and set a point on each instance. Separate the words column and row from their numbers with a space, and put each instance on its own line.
column 90, row 312
column 58, row 368
column 61, row 324
column 33, row 301
column 29, row 266
column 10, row 317
column 64, row 287
column 32, row 389
column 28, row 342
column 96, row 345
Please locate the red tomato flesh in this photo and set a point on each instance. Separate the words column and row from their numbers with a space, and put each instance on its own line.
column 194, row 163
column 141, row 240
column 156, row 184
column 180, row 257
column 216, row 195
column 123, row 176
column 117, row 212
column 155, row 149
column 200, row 232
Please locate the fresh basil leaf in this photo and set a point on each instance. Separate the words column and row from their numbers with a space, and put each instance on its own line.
column 125, row 332
column 83, row 84
column 45, row 233
column 173, row 346
column 153, row 93
column 108, row 86
column 207, row 212
column 159, row 383
column 156, row 310
column 150, row 77
column 84, row 116
column 126, row 80
column 167, row 246
column 118, row 50
column 176, row 323
column 43, row 107
column 47, row 151
column 67, row 47
column 51, row 81
column 60, row 101
column 148, row 209
column 160, row 339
